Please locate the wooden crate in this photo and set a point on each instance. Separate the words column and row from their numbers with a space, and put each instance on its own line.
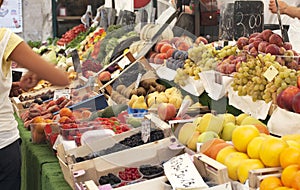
column 256, row 176
column 211, row 169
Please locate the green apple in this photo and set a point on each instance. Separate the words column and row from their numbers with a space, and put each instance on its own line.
column 226, row 133
column 207, row 135
column 228, row 117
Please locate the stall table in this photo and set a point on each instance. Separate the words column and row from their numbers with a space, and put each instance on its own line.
column 40, row 167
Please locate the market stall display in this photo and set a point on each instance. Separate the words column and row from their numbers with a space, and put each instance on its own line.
column 127, row 122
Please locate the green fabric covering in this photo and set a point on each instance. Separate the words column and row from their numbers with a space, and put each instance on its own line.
column 53, row 178
column 34, row 158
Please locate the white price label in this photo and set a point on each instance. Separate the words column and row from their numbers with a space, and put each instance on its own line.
column 62, row 92
column 138, row 80
column 182, row 173
column 146, row 125
column 124, row 62
column 271, row 73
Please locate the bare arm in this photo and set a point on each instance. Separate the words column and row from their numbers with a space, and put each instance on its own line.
column 285, row 9
column 27, row 58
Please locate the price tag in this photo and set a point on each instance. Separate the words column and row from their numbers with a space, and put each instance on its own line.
column 76, row 61
column 271, row 73
column 182, row 173
column 138, row 80
column 145, row 130
column 62, row 92
column 124, row 62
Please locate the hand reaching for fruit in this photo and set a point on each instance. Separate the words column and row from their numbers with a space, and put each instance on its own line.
column 28, row 81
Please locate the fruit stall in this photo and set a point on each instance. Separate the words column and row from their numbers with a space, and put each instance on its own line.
column 151, row 106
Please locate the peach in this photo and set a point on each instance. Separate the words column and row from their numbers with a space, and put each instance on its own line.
column 286, row 97
column 159, row 58
column 164, row 48
column 183, row 46
column 166, row 111
column 241, row 42
column 276, row 39
column 207, row 146
column 104, row 76
column 253, row 51
column 296, row 103
column 253, row 35
column 151, row 59
column 158, row 46
column 272, row 49
column 65, row 112
column 170, row 52
column 266, row 34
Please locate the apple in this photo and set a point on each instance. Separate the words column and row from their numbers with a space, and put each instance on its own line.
column 296, row 103
column 166, row 111
column 266, row 34
column 286, row 97
column 272, row 49
column 241, row 42
column 226, row 133
column 207, row 135
column 276, row 39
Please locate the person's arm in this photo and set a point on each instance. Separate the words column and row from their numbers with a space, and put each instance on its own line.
column 285, row 9
column 27, row 58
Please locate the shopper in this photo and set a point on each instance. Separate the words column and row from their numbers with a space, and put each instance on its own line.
column 13, row 48
column 284, row 8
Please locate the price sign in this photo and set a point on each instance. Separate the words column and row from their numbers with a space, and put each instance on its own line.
column 248, row 18
column 182, row 173
column 145, row 130
column 62, row 92
column 226, row 22
column 271, row 73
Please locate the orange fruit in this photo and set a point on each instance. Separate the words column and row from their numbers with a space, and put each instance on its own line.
column 270, row 183
column 242, row 135
column 270, row 150
column 289, row 156
column 65, row 112
column 288, row 174
column 296, row 181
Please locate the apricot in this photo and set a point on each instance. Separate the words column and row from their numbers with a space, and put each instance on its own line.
column 164, row 48
column 65, row 112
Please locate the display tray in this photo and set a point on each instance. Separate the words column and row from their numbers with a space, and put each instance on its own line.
column 151, row 153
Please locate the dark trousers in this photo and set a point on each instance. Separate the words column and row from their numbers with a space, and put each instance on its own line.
column 10, row 166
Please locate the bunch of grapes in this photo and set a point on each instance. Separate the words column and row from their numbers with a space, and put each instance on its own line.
column 250, row 80
column 203, row 56
column 226, row 51
column 181, row 77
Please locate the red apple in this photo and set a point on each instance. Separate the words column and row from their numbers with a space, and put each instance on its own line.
column 276, row 39
column 272, row 49
column 262, row 46
column 287, row 96
column 241, row 42
column 296, row 103
column 166, row 111
column 266, row 34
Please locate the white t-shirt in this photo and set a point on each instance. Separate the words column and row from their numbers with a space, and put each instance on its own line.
column 271, row 18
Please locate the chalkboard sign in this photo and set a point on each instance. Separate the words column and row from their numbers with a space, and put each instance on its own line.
column 226, row 23
column 248, row 18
